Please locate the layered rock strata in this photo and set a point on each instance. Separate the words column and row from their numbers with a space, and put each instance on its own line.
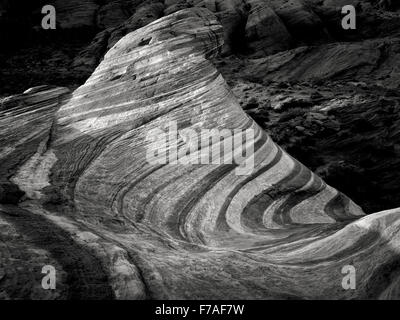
column 174, row 230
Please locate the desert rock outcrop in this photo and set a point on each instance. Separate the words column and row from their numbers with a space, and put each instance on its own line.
column 93, row 202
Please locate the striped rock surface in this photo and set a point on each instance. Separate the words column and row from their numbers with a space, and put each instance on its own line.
column 185, row 228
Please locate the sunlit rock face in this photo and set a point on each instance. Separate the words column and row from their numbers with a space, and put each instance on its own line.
column 25, row 129
column 149, row 79
column 93, row 200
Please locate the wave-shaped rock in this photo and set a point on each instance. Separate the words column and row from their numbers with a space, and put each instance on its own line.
column 156, row 230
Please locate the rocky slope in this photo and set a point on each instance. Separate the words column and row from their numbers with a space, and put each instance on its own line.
column 117, row 226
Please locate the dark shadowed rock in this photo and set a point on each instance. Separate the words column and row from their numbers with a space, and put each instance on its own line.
column 10, row 193
column 265, row 31
column 76, row 13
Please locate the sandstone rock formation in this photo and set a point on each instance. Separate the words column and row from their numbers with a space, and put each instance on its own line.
column 259, row 28
column 253, row 28
column 117, row 226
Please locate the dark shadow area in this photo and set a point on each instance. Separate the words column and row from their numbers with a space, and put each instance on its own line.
column 87, row 278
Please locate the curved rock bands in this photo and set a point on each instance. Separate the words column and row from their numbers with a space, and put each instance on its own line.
column 165, row 68
column 26, row 124
column 203, row 229
column 161, row 75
